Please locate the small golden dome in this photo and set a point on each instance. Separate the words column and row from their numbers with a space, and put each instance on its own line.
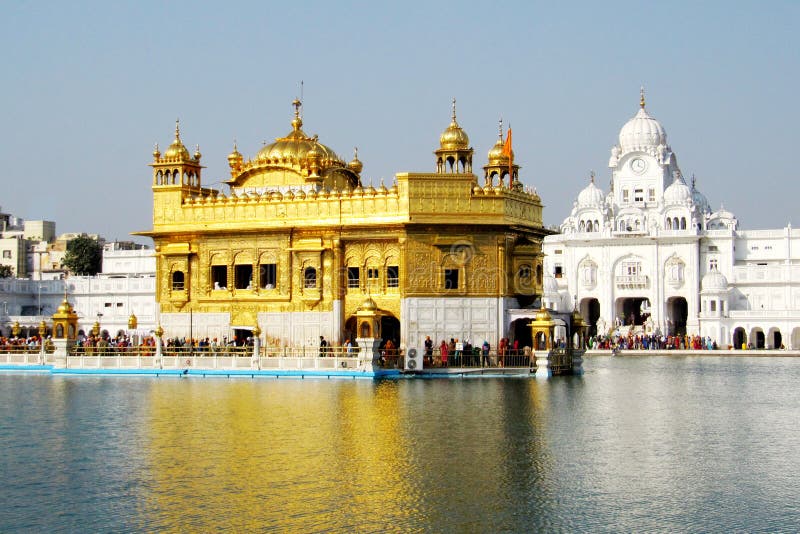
column 496, row 154
column 543, row 315
column 368, row 305
column 176, row 149
column 156, row 152
column 355, row 164
column 234, row 158
column 454, row 137
column 64, row 308
column 197, row 154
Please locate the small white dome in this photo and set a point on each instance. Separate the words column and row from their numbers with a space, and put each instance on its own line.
column 550, row 286
column 591, row 196
column 714, row 281
column 641, row 133
column 677, row 193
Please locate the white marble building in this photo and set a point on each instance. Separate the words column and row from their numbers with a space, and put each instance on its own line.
column 651, row 254
column 126, row 286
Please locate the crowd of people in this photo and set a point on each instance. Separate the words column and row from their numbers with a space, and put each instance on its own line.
column 651, row 342
column 22, row 344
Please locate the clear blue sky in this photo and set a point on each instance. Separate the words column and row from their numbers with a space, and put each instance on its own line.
column 89, row 87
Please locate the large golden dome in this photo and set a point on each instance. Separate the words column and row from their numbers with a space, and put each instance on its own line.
column 296, row 145
column 454, row 137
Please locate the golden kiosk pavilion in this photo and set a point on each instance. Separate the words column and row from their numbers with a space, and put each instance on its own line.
column 298, row 243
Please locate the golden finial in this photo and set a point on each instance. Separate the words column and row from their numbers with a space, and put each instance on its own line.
column 156, row 152
column 641, row 99
column 500, row 128
column 454, row 109
column 591, row 176
column 177, row 129
column 355, row 152
column 297, row 122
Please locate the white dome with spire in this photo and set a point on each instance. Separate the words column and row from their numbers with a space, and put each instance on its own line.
column 642, row 132
column 678, row 192
column 591, row 196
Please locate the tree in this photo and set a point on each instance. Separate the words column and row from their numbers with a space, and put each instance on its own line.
column 84, row 256
column 6, row 271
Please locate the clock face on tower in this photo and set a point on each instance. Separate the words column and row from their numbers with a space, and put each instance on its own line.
column 638, row 165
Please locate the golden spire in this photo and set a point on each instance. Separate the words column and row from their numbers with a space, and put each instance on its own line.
column 177, row 130
column 641, row 99
column 297, row 122
column 500, row 128
column 454, row 110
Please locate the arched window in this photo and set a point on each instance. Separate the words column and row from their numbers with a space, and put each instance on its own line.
column 683, row 223
column 596, row 226
column 582, row 226
column 178, row 281
column 310, row 278
column 669, row 223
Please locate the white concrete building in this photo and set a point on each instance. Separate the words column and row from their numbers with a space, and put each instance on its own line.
column 126, row 286
column 650, row 254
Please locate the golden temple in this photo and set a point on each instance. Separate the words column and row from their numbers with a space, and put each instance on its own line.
column 299, row 243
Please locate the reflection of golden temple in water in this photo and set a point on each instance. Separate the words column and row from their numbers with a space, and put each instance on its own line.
column 286, row 455
column 277, row 453
column 299, row 242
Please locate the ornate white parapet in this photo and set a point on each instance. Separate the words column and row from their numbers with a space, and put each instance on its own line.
column 255, row 361
column 542, row 359
column 61, row 352
column 368, row 353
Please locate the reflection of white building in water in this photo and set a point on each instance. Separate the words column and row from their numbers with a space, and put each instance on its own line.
column 651, row 254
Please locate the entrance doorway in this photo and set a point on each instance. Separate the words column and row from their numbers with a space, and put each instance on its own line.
column 521, row 332
column 677, row 313
column 590, row 310
column 633, row 311
column 739, row 338
column 390, row 329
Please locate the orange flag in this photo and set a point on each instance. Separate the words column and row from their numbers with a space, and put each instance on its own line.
column 507, row 151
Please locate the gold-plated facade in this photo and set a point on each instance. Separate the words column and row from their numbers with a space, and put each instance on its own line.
column 298, row 231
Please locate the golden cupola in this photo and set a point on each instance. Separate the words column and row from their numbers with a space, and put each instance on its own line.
column 497, row 155
column 295, row 146
column 176, row 167
column 500, row 164
column 296, row 159
column 176, row 150
column 454, row 154
column 235, row 159
column 355, row 164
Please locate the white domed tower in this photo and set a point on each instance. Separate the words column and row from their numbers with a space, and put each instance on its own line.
column 642, row 165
